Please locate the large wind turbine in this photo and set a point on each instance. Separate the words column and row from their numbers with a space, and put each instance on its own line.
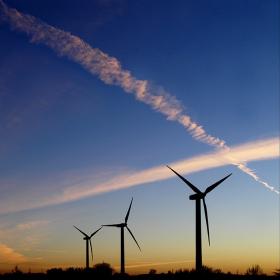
column 87, row 238
column 198, row 196
column 123, row 226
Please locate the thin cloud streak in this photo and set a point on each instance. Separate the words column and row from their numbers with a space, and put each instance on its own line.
column 252, row 151
column 110, row 71
column 31, row 225
column 10, row 256
column 149, row 264
column 260, row 150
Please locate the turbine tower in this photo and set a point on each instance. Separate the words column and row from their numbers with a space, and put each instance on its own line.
column 122, row 226
column 87, row 238
column 198, row 196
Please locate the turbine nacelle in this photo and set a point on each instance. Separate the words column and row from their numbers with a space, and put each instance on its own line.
column 197, row 196
column 121, row 225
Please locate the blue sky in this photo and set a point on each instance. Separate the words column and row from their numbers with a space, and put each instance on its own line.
column 62, row 127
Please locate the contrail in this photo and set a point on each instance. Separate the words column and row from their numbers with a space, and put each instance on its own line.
column 251, row 151
column 110, row 71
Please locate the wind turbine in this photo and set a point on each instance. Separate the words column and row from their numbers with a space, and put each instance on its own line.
column 122, row 226
column 198, row 196
column 87, row 238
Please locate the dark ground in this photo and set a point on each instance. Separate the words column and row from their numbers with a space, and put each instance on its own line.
column 105, row 272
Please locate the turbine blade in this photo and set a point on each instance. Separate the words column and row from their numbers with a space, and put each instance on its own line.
column 206, row 218
column 209, row 189
column 81, row 232
column 195, row 189
column 128, row 211
column 133, row 237
column 112, row 225
column 91, row 250
column 95, row 232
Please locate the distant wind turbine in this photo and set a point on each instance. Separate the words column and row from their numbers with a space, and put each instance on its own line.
column 87, row 238
column 198, row 196
column 122, row 226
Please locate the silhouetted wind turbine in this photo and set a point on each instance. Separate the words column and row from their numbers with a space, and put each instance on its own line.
column 198, row 196
column 87, row 238
column 122, row 226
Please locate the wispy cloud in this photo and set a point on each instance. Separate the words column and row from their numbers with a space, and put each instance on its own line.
column 111, row 72
column 29, row 235
column 10, row 256
column 252, row 151
column 31, row 225
column 260, row 150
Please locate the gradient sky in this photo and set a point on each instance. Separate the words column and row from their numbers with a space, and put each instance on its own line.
column 64, row 132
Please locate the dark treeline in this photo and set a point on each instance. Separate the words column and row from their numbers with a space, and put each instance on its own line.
column 104, row 271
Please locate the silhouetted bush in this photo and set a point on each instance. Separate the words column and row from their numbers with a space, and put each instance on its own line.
column 277, row 272
column 254, row 270
column 152, row 271
column 17, row 271
column 103, row 270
